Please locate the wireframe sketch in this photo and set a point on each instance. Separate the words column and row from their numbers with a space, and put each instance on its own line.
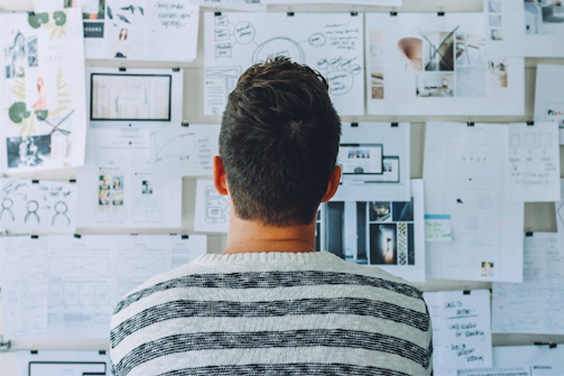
column 37, row 206
column 331, row 44
column 217, row 207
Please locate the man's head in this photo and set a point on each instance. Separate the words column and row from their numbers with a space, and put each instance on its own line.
column 278, row 143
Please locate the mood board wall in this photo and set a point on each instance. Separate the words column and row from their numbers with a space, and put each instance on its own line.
column 539, row 217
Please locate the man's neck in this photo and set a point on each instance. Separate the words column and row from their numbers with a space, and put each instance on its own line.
column 250, row 236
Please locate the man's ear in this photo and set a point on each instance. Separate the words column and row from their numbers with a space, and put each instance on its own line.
column 219, row 176
column 333, row 184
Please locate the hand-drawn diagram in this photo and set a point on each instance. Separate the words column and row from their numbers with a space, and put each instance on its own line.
column 37, row 205
column 216, row 207
column 418, row 63
column 44, row 117
column 234, row 41
column 184, row 151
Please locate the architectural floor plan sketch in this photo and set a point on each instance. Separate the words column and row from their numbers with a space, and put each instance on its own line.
column 117, row 186
column 464, row 174
column 184, row 151
column 43, row 115
column 425, row 64
column 212, row 209
column 386, row 234
column 37, row 206
column 374, row 159
column 526, row 28
column 63, row 363
column 330, row 43
column 549, row 96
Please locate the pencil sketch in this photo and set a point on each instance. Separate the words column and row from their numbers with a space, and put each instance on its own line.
column 330, row 44
column 36, row 205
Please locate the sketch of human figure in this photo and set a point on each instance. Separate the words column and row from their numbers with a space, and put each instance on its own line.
column 122, row 45
column 7, row 204
column 61, row 211
column 32, row 207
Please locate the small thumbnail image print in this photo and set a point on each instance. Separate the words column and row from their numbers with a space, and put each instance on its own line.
column 104, row 190
column 28, row 151
column 497, row 73
column 117, row 190
column 383, row 247
column 435, row 84
column 402, row 211
column 487, row 269
column 380, row 211
column 146, row 187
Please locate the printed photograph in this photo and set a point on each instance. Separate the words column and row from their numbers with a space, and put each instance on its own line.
column 438, row 50
column 383, row 247
column 555, row 113
column 471, row 82
column 544, row 16
column 28, row 151
column 497, row 73
column 402, row 211
column 380, row 211
column 431, row 84
column 104, row 190
column 117, row 190
column 487, row 269
column 377, row 64
column 146, row 187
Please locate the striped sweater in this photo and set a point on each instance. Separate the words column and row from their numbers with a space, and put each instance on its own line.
column 272, row 314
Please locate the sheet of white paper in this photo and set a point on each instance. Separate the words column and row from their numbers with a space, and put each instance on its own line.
column 388, row 3
column 536, row 305
column 116, row 187
column 511, row 371
column 559, row 208
column 24, row 287
column 549, row 96
column 331, row 43
column 64, row 363
column 540, row 360
column 534, row 162
column 525, row 28
column 386, row 234
column 464, row 169
column 144, row 98
column 438, row 228
column 461, row 330
column 184, row 151
column 212, row 209
column 137, row 30
column 425, row 64
column 375, row 162
column 67, row 287
column 37, row 206
column 43, row 112
column 246, row 5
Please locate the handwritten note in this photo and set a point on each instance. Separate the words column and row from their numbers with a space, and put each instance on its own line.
column 461, row 330
column 438, row 228
column 534, row 162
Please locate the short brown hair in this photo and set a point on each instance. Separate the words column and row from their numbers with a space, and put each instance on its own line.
column 279, row 142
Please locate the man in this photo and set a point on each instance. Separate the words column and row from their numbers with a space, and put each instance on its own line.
column 270, row 304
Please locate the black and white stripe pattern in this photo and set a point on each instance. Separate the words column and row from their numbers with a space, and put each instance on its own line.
column 283, row 321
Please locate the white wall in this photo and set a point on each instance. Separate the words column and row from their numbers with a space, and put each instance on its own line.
column 538, row 216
